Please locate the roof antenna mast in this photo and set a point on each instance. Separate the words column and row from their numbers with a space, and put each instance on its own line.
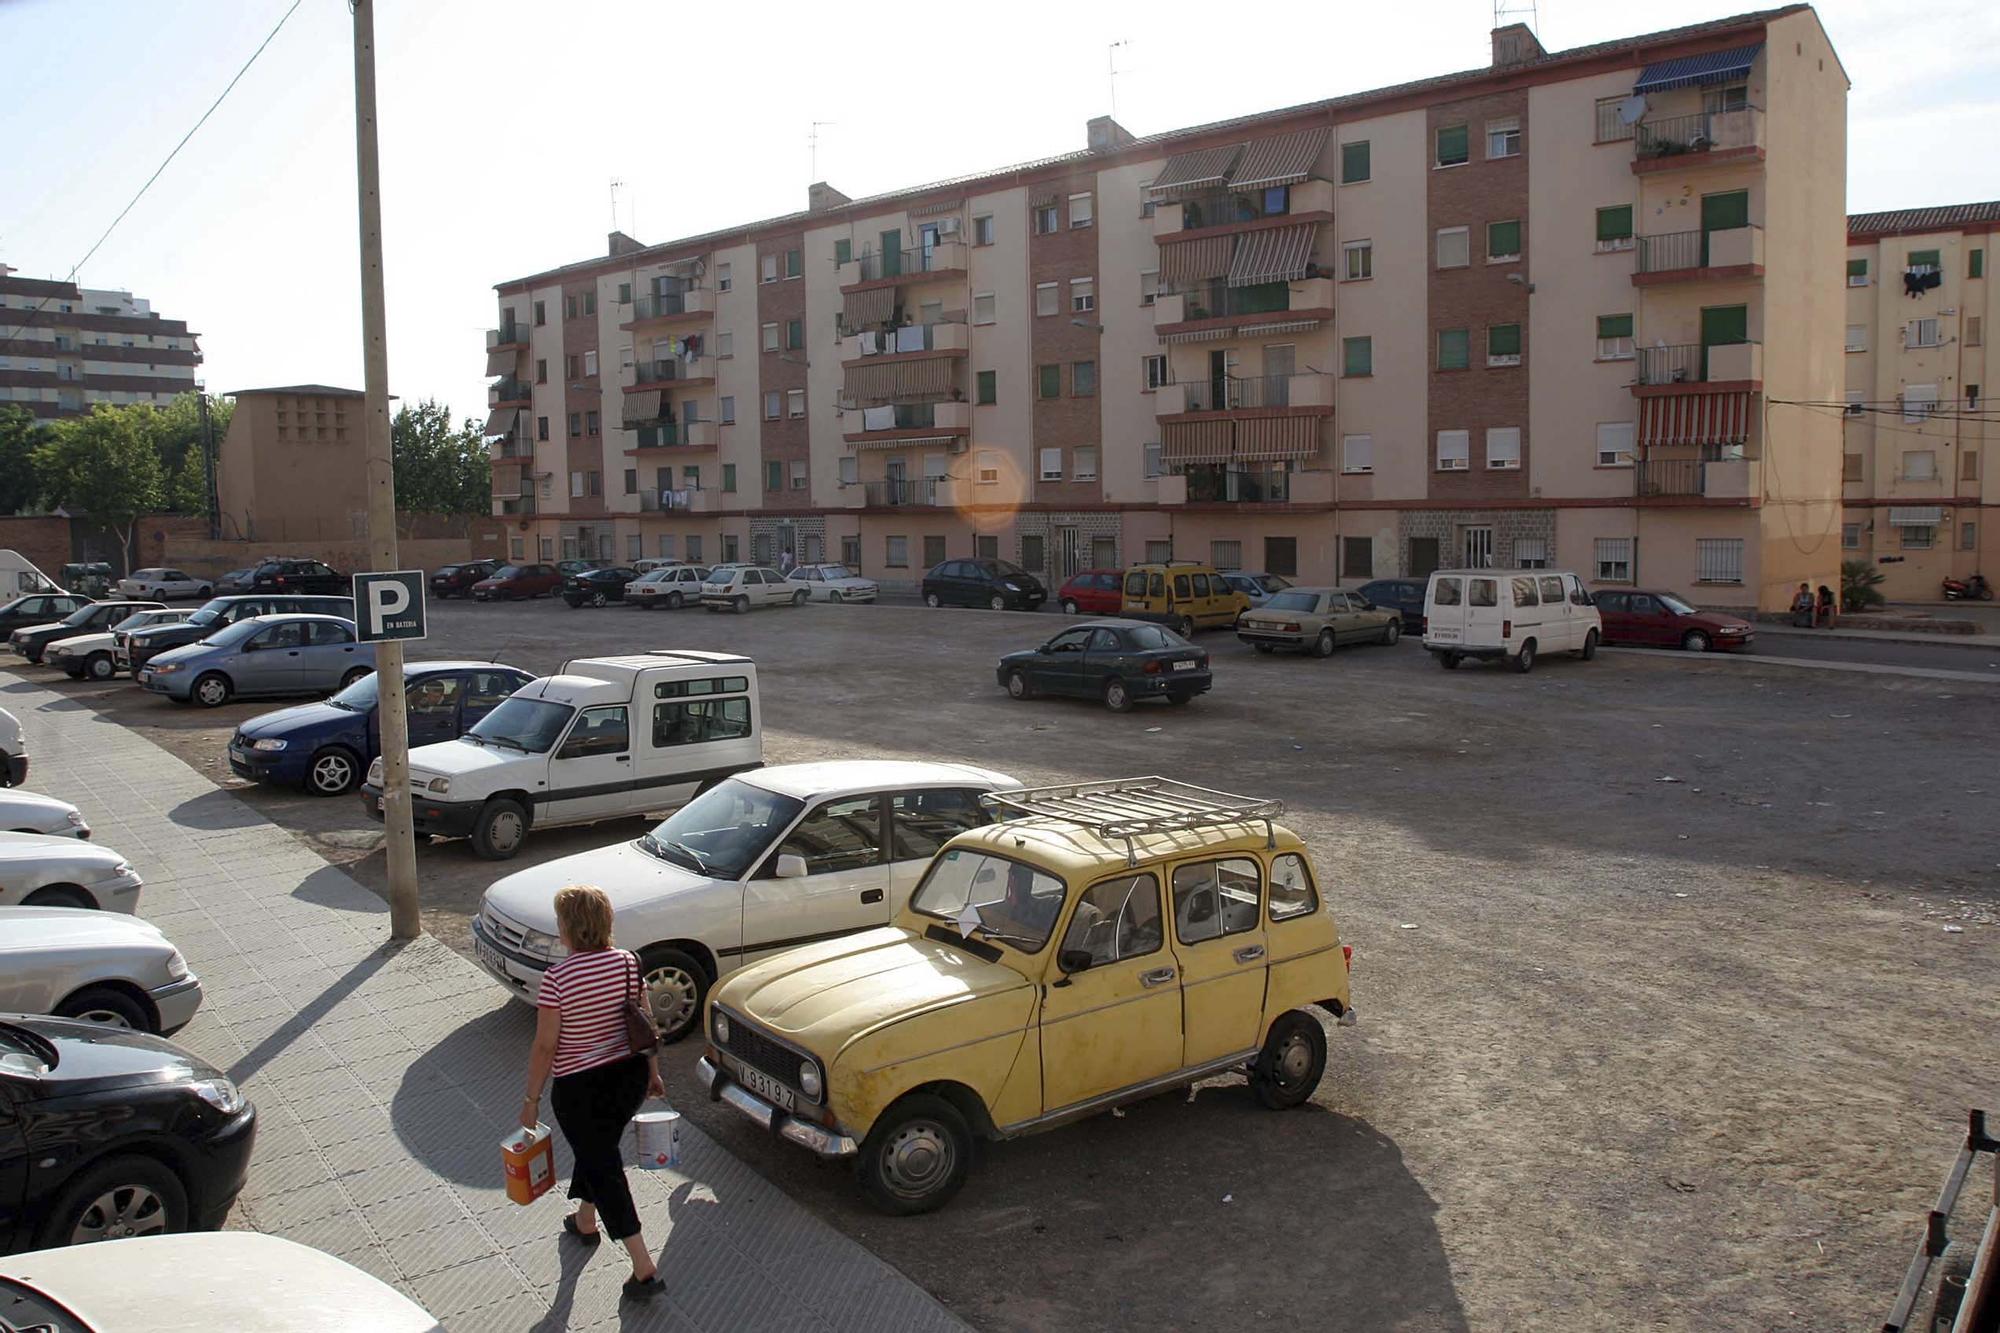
column 616, row 185
column 812, row 139
column 1517, row 11
column 1111, row 71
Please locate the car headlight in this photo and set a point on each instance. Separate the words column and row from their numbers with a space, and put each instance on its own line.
column 1730, row 629
column 58, row 651
column 375, row 772
column 168, row 668
column 440, row 785
column 268, row 743
column 177, row 966
column 534, row 941
column 219, row 1093
column 809, row 1079
column 75, row 818
column 122, row 869
column 1011, row 586
column 722, row 1027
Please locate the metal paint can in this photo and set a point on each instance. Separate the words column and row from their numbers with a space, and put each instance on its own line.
column 658, row 1140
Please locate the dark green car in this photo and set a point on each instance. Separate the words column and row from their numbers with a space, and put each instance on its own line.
column 1118, row 661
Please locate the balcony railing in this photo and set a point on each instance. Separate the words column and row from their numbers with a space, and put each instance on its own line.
column 944, row 256
column 1691, row 363
column 665, row 305
column 672, row 370
column 507, row 333
column 1723, row 247
column 1213, row 484
column 1219, row 208
column 897, row 493
column 509, row 391
column 523, row 505
column 900, row 416
column 946, row 335
column 511, row 447
column 1260, row 391
column 666, row 500
column 1219, row 301
column 1701, row 132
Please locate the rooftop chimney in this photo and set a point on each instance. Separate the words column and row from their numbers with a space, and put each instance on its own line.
column 820, row 196
column 1516, row 45
column 621, row 244
column 1104, row 134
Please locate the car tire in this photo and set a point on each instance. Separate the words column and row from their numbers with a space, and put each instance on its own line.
column 102, row 1004
column 1589, row 652
column 1695, row 641
column 333, row 771
column 358, row 673
column 500, row 829
column 1265, row 648
column 59, row 895
column 833, row 595
column 212, row 690
column 933, row 601
column 799, row 598
column 99, row 666
column 1323, row 645
column 206, row 592
column 1392, row 632
column 676, row 987
column 1178, row 697
column 916, row 1157
column 1524, row 661
column 126, row 1195
column 1449, row 661
column 1018, row 687
column 1069, row 606
column 673, row 601
column 997, row 602
column 1185, row 627
column 598, row 599
column 1116, row 697
column 1291, row 1063
column 741, row 606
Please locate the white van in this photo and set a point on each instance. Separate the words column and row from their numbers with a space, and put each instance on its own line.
column 604, row 738
column 1518, row 614
column 19, row 575
column 13, row 752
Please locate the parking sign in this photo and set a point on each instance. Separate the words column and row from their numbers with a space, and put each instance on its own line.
column 389, row 606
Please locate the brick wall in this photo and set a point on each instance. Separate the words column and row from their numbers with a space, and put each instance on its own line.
column 584, row 394
column 1069, row 420
column 783, row 370
column 44, row 542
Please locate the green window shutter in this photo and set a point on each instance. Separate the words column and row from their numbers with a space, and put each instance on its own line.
column 729, row 476
column 1454, row 349
column 795, row 263
column 1358, row 356
column 1453, row 145
column 1976, row 266
column 1503, row 238
column 1857, row 268
column 1614, row 326
column 1503, row 340
column 1614, row 224
column 1051, row 381
column 624, row 293
column 1354, row 165
column 795, row 333
column 774, row 476
column 989, row 387
column 843, row 252
column 1923, row 259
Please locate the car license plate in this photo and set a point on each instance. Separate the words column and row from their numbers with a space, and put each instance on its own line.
column 768, row 1088
column 1184, row 666
column 145, row 676
column 489, row 957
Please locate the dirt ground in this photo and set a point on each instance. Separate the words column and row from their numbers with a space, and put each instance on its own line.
column 1663, row 1021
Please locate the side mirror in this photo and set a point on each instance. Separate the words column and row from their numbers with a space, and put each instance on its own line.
column 1075, row 960
column 791, row 866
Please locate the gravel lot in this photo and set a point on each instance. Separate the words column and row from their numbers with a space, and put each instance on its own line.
column 1662, row 1023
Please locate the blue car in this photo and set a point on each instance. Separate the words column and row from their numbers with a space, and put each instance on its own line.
column 281, row 654
column 326, row 747
column 1404, row 595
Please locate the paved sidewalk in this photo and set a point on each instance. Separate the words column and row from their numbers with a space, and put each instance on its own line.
column 384, row 1078
column 1989, row 642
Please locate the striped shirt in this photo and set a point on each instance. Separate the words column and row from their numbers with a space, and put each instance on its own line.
column 589, row 991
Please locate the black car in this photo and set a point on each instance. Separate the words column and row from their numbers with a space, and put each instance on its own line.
column 38, row 608
column 457, row 580
column 995, row 583
column 90, row 618
column 106, row 1132
column 595, row 587
column 133, row 649
column 310, row 576
column 1117, row 661
column 1404, row 595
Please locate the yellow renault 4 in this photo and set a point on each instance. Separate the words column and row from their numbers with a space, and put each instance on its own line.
column 1103, row 942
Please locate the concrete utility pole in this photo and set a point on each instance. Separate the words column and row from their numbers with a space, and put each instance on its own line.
column 404, row 921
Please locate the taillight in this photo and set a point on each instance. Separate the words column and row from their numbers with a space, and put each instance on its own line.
column 1423, row 624
column 1153, row 667
column 1202, row 662
column 1506, row 629
column 1347, row 956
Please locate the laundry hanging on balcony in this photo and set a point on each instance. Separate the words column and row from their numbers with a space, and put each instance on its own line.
column 1277, row 254
column 1917, row 281
column 500, row 363
column 879, row 418
column 642, row 408
column 501, row 420
column 1187, row 173
column 1285, row 160
column 1694, row 418
column 910, row 338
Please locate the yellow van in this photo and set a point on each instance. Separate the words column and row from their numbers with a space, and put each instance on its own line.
column 1184, row 594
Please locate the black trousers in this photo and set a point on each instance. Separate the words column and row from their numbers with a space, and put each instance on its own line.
column 592, row 1108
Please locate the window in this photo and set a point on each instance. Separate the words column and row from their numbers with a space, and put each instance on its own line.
column 795, row 403
column 1454, row 450
column 1923, row 333
column 1919, row 401
column 541, row 428
column 1454, row 247
column 589, row 364
column 795, row 334
column 597, row 483
column 1503, row 241
column 569, row 306
column 1503, row 137
column 773, row 405
column 576, row 425
column 1857, row 337
column 1079, row 210
column 624, row 293
column 982, row 308
column 1917, row 537
column 1851, row 467
column 723, row 282
column 1354, row 167
column 1152, row 372
column 1614, row 337
column 1046, row 300
column 725, row 344
column 1114, row 921
column 767, row 269
column 1225, row 555
column 1975, row 328
column 1503, row 447
column 1045, row 219
column 1503, row 345
column 1281, row 555
column 1149, row 287
column 987, row 467
column 1357, row 557
column 1975, row 264
column 541, row 314
column 1357, row 453
column 1151, row 462
column 1082, row 295
column 1969, row 465
column 1292, row 892
column 1084, row 463
column 1615, row 443
column 590, row 302
column 1968, row 531
column 575, row 485
column 1454, row 349
column 1850, row 536
column 1718, row 560
column 1533, row 553
column 1052, row 465
column 982, row 230
column 516, row 547
column 774, row 475
column 770, row 332
column 1454, row 145
column 726, row 409
column 1159, row 552
column 1614, row 559
column 1614, row 228
column 569, row 368
column 850, row 470
column 590, row 423
column 690, row 478
column 1216, row 898
column 1083, row 379
column 1357, row 356
column 1358, row 260
column 1923, row 261
column 1857, row 273
column 1032, row 556
column 843, row 250
column 1919, row 465
column 1049, row 381
column 987, row 391
column 798, row 474
column 541, row 376
column 697, row 721
column 933, row 550
column 729, row 477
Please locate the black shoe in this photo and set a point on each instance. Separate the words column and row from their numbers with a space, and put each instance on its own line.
column 635, row 1290
column 589, row 1238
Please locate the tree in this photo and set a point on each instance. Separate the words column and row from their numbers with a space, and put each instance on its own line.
column 20, row 477
column 1858, row 582
column 104, row 464
column 179, row 440
column 439, row 470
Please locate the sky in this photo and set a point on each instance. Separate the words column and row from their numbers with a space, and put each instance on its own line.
column 504, row 122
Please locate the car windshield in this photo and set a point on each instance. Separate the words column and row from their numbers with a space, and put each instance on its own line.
column 1002, row 569
column 358, row 697
column 1676, row 605
column 998, row 899
column 235, row 634
column 835, row 572
column 81, row 614
column 210, row 613
column 1293, row 601
column 532, row 726
column 135, row 620
column 23, row 1053
column 1145, row 637
column 1275, row 582
column 723, row 831
column 505, row 572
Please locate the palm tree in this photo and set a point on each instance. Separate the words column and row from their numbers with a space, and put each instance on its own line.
column 1858, row 581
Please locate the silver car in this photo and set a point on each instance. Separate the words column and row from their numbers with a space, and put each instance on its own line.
column 98, row 967
column 295, row 653
column 25, row 812
column 160, row 584
column 40, row 871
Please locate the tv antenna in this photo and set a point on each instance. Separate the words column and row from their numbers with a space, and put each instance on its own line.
column 616, row 185
column 812, row 139
column 1111, row 72
column 1517, row 11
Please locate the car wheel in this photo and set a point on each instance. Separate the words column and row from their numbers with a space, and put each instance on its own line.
column 1392, row 632
column 1017, row 685
column 598, row 599
column 932, row 600
column 1185, row 627
column 997, row 602
column 1116, row 697
column 59, row 895
column 500, row 829
column 100, row 666
column 101, row 1004
column 676, row 985
column 1069, row 606
column 1180, row 696
column 1290, row 1065
column 833, row 595
column 358, row 673
column 1589, row 646
column 1323, row 645
column 741, row 606
column 799, row 598
column 1449, row 661
column 117, row 1198
column 916, row 1157
column 1695, row 641
column 334, row 771
column 673, row 601
column 206, row 592
column 212, row 690
column 1524, row 661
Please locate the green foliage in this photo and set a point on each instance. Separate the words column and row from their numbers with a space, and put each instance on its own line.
column 176, row 434
column 105, row 464
column 1858, row 582
column 20, row 478
column 439, row 469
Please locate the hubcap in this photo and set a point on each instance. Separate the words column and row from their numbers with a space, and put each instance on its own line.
column 505, row 835
column 100, row 667
column 211, row 692
column 597, row 599
column 1294, row 1059
column 1016, row 686
column 1116, row 694
column 332, row 772
column 671, row 991
column 108, row 1017
column 917, row 1159
column 128, row 1210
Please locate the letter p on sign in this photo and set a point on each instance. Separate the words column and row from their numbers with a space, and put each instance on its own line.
column 389, row 605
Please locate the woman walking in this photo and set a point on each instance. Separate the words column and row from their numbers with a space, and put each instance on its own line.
column 582, row 1040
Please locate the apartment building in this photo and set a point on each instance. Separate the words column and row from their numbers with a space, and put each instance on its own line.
column 1916, row 417
column 1537, row 313
column 65, row 348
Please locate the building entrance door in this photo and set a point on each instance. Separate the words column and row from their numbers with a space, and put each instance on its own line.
column 1478, row 545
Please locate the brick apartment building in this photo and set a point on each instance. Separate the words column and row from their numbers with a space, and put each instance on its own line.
column 65, row 348
column 1916, row 413
column 1543, row 312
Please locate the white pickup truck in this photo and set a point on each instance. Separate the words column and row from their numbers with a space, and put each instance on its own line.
column 604, row 738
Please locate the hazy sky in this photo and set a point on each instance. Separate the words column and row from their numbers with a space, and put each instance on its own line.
column 504, row 121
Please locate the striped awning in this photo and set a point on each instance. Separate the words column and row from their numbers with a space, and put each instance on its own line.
column 1694, row 418
column 1915, row 516
column 1276, row 254
column 1197, row 441
column 1708, row 67
column 1279, row 161
column 1270, row 439
column 1197, row 260
column 643, row 408
column 1283, row 326
column 863, row 310
column 1207, row 335
column 1203, row 169
column 882, row 382
column 936, row 206
column 501, row 420
column 1049, row 200
column 906, row 442
column 499, row 362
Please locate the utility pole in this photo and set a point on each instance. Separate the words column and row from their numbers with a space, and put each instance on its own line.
column 404, row 921
column 212, row 494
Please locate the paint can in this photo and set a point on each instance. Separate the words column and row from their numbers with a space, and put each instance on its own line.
column 529, row 1158
column 658, row 1139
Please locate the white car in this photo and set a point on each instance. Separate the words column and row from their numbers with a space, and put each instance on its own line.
column 767, row 860
column 201, row 1280
column 13, row 752
column 160, row 584
column 746, row 587
column 101, row 967
column 94, row 655
column 25, row 812
column 835, row 583
column 39, row 871
column 671, row 586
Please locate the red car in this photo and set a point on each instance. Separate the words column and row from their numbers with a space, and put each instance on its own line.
column 1093, row 592
column 1662, row 620
column 517, row 583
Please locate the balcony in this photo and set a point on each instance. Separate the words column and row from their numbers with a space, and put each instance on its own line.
column 1217, row 310
column 944, row 258
column 1244, row 210
column 1693, row 364
column 671, row 371
column 511, row 451
column 1700, row 139
column 1672, row 479
column 902, row 493
column 507, row 335
column 890, row 423
column 524, row 504
column 909, row 338
column 693, row 500
column 673, row 435
column 509, row 392
column 1682, row 256
column 1308, row 390
column 655, row 307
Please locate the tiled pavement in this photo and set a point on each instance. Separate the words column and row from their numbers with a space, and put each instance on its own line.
column 385, row 1076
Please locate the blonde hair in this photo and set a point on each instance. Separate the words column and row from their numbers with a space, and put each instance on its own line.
column 583, row 915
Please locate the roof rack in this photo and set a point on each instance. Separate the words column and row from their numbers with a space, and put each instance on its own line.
column 1128, row 808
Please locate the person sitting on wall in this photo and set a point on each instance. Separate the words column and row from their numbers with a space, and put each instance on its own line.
column 1802, row 607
